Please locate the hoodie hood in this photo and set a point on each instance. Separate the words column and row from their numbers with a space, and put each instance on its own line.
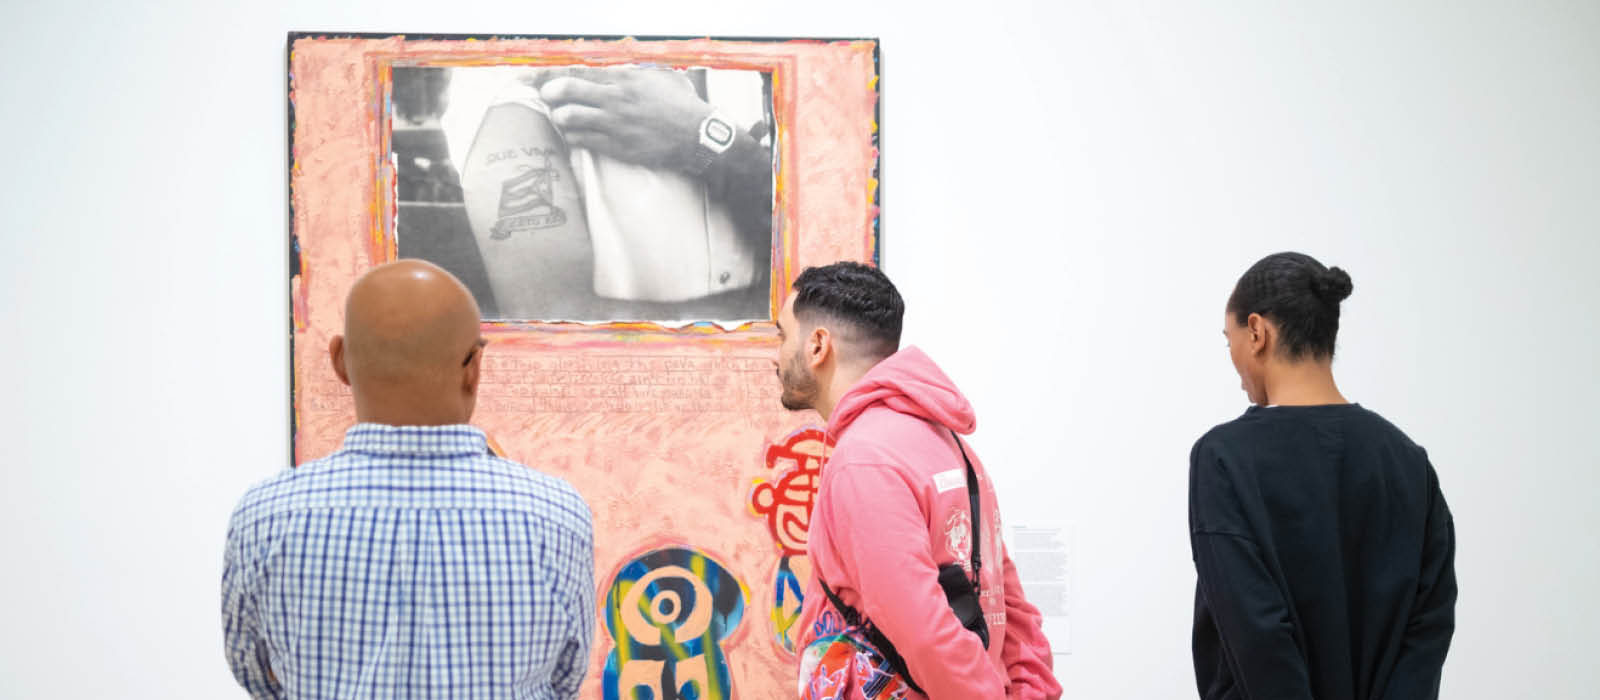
column 908, row 382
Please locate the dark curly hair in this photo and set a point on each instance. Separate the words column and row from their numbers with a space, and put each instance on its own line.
column 1298, row 294
column 859, row 298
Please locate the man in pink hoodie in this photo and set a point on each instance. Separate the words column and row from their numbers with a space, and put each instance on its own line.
column 893, row 504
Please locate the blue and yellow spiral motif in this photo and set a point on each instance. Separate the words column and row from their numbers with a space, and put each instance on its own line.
column 668, row 611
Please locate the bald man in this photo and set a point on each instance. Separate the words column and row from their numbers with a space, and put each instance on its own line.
column 412, row 562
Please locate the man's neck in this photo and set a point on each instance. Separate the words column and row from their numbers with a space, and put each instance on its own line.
column 843, row 379
column 407, row 413
column 400, row 420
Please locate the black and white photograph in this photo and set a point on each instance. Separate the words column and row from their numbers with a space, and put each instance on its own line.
column 590, row 194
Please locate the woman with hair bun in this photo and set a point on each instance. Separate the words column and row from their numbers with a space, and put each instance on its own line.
column 1322, row 543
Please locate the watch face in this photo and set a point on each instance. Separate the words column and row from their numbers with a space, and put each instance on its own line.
column 718, row 132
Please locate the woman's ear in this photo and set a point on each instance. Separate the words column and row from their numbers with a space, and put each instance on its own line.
column 1262, row 334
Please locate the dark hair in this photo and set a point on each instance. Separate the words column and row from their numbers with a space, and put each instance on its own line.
column 859, row 297
column 1299, row 295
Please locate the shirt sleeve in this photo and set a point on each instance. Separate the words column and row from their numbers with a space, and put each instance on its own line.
column 1026, row 652
column 1243, row 597
column 241, row 630
column 1213, row 672
column 881, row 536
column 572, row 663
column 1433, row 617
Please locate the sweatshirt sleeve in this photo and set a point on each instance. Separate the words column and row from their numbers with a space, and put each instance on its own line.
column 1245, row 602
column 1433, row 617
column 881, row 536
column 1026, row 652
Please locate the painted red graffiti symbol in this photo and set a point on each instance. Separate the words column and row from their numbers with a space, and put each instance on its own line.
column 786, row 503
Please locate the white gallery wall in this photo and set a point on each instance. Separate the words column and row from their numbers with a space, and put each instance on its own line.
column 1070, row 191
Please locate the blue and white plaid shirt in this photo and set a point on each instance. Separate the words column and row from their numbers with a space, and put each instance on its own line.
column 412, row 563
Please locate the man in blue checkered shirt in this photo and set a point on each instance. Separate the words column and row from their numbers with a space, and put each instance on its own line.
column 411, row 563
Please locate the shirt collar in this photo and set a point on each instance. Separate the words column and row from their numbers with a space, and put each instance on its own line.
column 377, row 438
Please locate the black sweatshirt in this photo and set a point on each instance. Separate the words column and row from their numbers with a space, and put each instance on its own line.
column 1325, row 555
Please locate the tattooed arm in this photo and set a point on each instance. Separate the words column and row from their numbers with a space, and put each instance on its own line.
column 527, row 216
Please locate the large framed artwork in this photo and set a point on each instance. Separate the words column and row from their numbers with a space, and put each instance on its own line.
column 629, row 213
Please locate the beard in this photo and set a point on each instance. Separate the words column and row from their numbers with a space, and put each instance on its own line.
column 800, row 386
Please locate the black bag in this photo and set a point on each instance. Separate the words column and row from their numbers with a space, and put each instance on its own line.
column 959, row 590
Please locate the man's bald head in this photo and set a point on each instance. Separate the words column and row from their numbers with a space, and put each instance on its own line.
column 408, row 350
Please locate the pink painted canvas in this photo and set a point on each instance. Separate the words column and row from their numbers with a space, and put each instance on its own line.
column 631, row 340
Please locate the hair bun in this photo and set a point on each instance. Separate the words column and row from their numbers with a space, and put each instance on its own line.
column 1333, row 286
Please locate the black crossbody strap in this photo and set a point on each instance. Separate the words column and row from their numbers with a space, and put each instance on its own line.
column 851, row 616
column 977, row 512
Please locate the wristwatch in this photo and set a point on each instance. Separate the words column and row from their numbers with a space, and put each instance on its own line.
column 716, row 137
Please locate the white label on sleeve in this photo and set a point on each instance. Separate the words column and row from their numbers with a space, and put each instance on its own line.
column 953, row 479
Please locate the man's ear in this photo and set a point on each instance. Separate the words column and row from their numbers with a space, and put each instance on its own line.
column 336, row 353
column 819, row 347
column 1262, row 334
column 472, row 372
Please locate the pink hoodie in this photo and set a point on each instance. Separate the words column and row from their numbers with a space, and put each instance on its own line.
column 893, row 507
